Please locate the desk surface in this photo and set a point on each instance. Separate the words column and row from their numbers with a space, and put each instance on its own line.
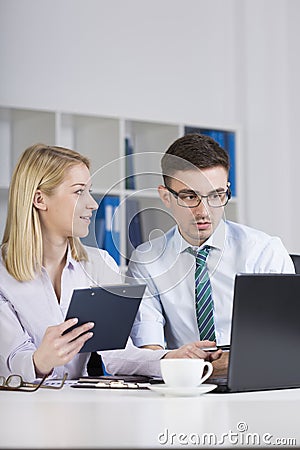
column 87, row 418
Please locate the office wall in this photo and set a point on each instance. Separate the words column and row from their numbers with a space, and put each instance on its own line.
column 220, row 62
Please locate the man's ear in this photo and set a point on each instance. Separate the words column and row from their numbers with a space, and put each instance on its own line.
column 39, row 201
column 164, row 195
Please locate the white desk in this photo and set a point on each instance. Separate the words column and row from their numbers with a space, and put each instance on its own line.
column 86, row 418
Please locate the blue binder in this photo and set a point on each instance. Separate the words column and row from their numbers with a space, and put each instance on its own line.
column 129, row 181
column 226, row 139
column 107, row 226
column 134, row 226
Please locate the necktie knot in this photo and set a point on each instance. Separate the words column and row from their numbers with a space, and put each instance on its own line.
column 202, row 255
column 202, row 252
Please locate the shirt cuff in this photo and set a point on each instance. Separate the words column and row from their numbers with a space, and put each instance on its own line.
column 22, row 364
column 133, row 361
column 148, row 333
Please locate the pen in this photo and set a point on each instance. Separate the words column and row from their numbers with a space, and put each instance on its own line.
column 225, row 348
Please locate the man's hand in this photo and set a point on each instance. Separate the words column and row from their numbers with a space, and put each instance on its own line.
column 195, row 350
column 221, row 366
column 153, row 347
column 57, row 349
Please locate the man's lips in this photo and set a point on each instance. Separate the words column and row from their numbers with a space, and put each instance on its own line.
column 203, row 225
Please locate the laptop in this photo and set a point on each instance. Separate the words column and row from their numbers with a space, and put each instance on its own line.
column 111, row 308
column 265, row 334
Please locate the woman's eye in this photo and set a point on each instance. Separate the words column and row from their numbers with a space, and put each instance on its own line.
column 79, row 192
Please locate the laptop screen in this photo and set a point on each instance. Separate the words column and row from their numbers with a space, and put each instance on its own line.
column 265, row 334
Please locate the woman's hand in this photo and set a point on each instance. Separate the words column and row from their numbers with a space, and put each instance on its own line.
column 57, row 349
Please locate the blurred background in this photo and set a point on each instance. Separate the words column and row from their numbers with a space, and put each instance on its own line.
column 78, row 72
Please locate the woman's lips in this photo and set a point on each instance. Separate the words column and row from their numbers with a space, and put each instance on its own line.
column 87, row 219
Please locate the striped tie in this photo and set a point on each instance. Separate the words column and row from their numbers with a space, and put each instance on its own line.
column 204, row 301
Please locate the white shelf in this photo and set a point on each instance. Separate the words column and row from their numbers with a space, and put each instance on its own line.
column 98, row 139
column 149, row 140
column 102, row 140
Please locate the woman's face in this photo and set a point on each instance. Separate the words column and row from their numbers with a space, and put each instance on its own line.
column 69, row 209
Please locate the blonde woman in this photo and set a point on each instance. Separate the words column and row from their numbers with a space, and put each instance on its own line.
column 49, row 209
column 42, row 261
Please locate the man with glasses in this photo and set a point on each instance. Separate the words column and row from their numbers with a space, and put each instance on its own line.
column 201, row 245
column 190, row 270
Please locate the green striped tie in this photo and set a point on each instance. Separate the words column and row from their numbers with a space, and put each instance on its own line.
column 203, row 295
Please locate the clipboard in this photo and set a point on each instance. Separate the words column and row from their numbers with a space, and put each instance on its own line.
column 112, row 308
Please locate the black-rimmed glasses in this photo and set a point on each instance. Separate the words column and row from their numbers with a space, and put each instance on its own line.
column 188, row 198
column 16, row 383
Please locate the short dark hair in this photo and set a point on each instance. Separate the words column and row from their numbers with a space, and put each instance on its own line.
column 190, row 151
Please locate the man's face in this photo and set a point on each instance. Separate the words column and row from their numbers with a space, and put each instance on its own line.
column 196, row 224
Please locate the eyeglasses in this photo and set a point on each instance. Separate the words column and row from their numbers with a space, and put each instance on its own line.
column 16, row 383
column 191, row 199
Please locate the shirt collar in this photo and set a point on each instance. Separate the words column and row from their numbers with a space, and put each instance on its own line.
column 70, row 262
column 216, row 240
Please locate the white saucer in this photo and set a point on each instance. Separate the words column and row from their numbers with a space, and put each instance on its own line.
column 163, row 389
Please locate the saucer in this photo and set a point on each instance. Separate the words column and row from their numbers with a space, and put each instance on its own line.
column 163, row 389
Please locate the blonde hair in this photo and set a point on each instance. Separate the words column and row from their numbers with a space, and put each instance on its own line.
column 39, row 167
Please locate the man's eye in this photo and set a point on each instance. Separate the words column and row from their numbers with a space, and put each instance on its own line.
column 188, row 196
column 216, row 195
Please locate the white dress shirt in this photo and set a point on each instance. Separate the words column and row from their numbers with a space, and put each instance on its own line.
column 167, row 313
column 28, row 308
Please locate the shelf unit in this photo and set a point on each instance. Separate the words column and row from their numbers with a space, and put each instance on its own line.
column 102, row 140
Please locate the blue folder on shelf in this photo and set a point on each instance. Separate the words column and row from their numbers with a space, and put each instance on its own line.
column 130, row 180
column 133, row 224
column 226, row 139
column 107, row 226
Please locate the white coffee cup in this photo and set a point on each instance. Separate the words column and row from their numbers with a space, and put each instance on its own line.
column 184, row 372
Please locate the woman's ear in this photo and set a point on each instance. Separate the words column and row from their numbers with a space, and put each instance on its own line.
column 164, row 195
column 39, row 201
